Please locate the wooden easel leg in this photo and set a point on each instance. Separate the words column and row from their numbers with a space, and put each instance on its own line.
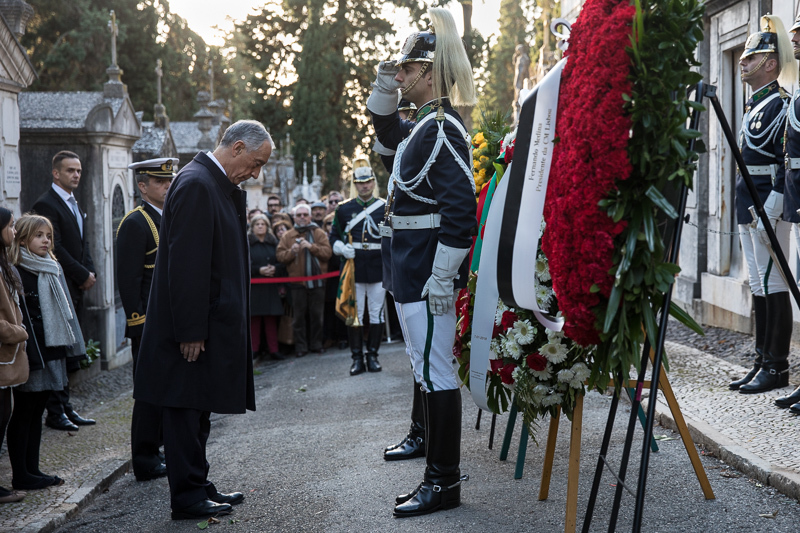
column 688, row 443
column 549, row 453
column 570, row 520
column 512, row 419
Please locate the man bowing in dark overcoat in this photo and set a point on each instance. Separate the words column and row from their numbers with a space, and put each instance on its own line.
column 195, row 357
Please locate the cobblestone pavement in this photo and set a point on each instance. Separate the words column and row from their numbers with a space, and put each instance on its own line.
column 746, row 431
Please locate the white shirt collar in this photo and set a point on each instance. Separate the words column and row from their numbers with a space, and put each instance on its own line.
column 214, row 159
column 62, row 193
column 159, row 211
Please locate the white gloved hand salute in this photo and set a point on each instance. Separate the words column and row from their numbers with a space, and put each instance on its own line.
column 773, row 207
column 384, row 96
column 439, row 287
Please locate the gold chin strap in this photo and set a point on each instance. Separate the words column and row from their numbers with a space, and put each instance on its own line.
column 419, row 76
column 761, row 64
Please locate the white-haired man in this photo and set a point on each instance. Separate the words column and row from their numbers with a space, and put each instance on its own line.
column 305, row 251
column 195, row 357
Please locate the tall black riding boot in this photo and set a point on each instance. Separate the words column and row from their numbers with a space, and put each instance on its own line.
column 413, row 445
column 441, row 486
column 373, row 343
column 356, row 339
column 760, row 308
column 774, row 372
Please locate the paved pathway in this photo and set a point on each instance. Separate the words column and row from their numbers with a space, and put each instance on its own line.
column 312, row 457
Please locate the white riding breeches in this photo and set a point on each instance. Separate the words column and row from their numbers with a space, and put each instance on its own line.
column 375, row 295
column 762, row 271
column 429, row 345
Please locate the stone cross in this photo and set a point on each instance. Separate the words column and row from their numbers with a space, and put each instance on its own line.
column 112, row 25
column 159, row 74
column 211, row 78
column 315, row 166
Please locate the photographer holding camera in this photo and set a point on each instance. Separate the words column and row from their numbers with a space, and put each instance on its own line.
column 305, row 251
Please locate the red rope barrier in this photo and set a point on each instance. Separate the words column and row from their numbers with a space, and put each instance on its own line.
column 296, row 279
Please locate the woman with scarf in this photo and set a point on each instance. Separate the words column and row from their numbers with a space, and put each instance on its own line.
column 13, row 360
column 305, row 251
column 50, row 317
column 266, row 306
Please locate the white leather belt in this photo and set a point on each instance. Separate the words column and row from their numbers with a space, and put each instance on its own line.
column 792, row 163
column 432, row 220
column 366, row 246
column 760, row 170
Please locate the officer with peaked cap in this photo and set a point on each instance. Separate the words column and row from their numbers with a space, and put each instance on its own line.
column 766, row 61
column 358, row 218
column 137, row 244
column 792, row 191
column 431, row 220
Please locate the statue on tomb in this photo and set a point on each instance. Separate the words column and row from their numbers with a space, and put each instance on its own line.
column 522, row 63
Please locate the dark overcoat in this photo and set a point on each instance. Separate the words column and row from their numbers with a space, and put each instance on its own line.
column 265, row 299
column 137, row 244
column 200, row 291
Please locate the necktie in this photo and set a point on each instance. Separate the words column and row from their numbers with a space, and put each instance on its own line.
column 73, row 204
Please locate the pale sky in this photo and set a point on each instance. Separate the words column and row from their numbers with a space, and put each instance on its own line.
column 203, row 15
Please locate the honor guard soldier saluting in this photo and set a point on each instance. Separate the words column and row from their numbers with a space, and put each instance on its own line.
column 766, row 60
column 431, row 219
column 137, row 244
column 792, row 193
column 355, row 234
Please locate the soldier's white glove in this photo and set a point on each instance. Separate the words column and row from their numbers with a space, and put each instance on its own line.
column 384, row 97
column 773, row 207
column 439, row 287
column 345, row 250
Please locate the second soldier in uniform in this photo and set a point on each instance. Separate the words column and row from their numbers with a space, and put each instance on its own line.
column 766, row 61
column 137, row 244
column 358, row 218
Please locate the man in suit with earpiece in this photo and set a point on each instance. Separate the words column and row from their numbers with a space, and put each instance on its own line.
column 60, row 206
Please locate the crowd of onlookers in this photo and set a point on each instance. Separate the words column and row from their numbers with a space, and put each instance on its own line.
column 293, row 316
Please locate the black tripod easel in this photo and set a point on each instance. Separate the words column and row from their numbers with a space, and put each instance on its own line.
column 701, row 91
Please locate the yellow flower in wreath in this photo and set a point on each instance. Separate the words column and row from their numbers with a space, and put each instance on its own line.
column 478, row 139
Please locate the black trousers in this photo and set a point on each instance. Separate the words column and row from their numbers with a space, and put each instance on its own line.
column 145, row 428
column 185, row 436
column 307, row 333
column 58, row 402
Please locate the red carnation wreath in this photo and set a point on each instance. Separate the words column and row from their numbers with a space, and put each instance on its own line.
column 590, row 156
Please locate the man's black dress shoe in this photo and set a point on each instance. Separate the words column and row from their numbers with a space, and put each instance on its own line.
column 784, row 402
column 155, row 473
column 201, row 509
column 78, row 420
column 60, row 422
column 234, row 498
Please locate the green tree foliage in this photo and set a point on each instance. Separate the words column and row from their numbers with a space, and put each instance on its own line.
column 497, row 83
column 70, row 46
column 312, row 64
